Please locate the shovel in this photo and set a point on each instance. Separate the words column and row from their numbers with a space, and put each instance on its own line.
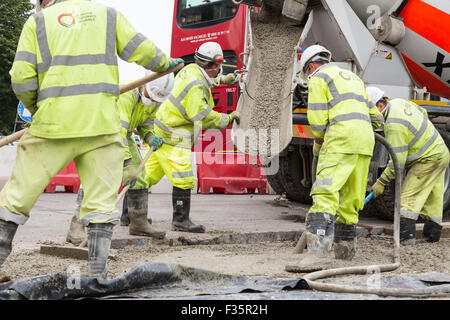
column 138, row 170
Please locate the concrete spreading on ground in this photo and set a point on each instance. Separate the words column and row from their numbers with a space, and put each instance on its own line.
column 263, row 259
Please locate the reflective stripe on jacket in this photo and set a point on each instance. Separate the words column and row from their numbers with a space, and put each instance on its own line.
column 135, row 115
column 412, row 136
column 339, row 111
column 188, row 110
column 65, row 70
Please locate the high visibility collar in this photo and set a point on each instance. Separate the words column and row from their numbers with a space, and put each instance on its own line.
column 386, row 110
column 318, row 69
column 57, row 1
column 208, row 79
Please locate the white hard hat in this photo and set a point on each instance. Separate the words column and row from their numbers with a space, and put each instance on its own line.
column 313, row 53
column 159, row 89
column 209, row 52
column 375, row 94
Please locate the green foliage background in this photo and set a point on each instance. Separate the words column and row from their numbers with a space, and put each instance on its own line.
column 13, row 14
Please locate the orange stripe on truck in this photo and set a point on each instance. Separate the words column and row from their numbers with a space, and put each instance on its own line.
column 420, row 75
column 428, row 21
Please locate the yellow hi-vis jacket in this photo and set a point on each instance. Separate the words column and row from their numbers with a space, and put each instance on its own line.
column 188, row 109
column 412, row 136
column 65, row 69
column 339, row 111
column 135, row 115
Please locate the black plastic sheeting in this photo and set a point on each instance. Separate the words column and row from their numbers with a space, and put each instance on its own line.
column 172, row 281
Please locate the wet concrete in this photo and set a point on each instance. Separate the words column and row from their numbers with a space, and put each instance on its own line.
column 227, row 219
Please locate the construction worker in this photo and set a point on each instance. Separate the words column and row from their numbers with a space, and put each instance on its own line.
column 339, row 113
column 422, row 152
column 137, row 109
column 65, row 72
column 179, row 121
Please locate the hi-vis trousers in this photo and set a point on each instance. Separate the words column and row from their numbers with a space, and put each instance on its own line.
column 99, row 162
column 340, row 186
column 423, row 190
column 175, row 163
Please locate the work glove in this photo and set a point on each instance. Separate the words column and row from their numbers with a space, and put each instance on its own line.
column 154, row 141
column 129, row 173
column 235, row 116
column 316, row 148
column 133, row 148
column 174, row 62
column 230, row 79
column 378, row 188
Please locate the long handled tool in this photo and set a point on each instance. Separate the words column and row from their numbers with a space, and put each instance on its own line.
column 11, row 138
column 125, row 88
column 139, row 169
column 370, row 196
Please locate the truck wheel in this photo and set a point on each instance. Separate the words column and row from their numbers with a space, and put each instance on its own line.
column 385, row 203
column 291, row 168
column 369, row 210
column 275, row 181
column 446, row 137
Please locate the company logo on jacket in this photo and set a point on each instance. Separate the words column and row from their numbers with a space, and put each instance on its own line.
column 67, row 20
column 407, row 110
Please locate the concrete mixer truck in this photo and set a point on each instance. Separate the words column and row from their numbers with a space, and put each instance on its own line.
column 399, row 46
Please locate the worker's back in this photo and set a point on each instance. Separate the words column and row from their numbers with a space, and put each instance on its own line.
column 339, row 111
column 66, row 62
column 411, row 133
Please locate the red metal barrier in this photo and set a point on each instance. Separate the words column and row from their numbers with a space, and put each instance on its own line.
column 231, row 173
column 68, row 177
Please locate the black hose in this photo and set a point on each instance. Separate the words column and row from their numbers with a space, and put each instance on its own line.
column 314, row 168
column 397, row 191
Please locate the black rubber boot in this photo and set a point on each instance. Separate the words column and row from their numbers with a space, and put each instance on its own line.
column 124, row 218
column 181, row 201
column 344, row 241
column 7, row 232
column 319, row 231
column 407, row 231
column 99, row 243
column 431, row 231
column 137, row 204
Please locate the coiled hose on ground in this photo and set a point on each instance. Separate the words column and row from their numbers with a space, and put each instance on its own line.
column 439, row 290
